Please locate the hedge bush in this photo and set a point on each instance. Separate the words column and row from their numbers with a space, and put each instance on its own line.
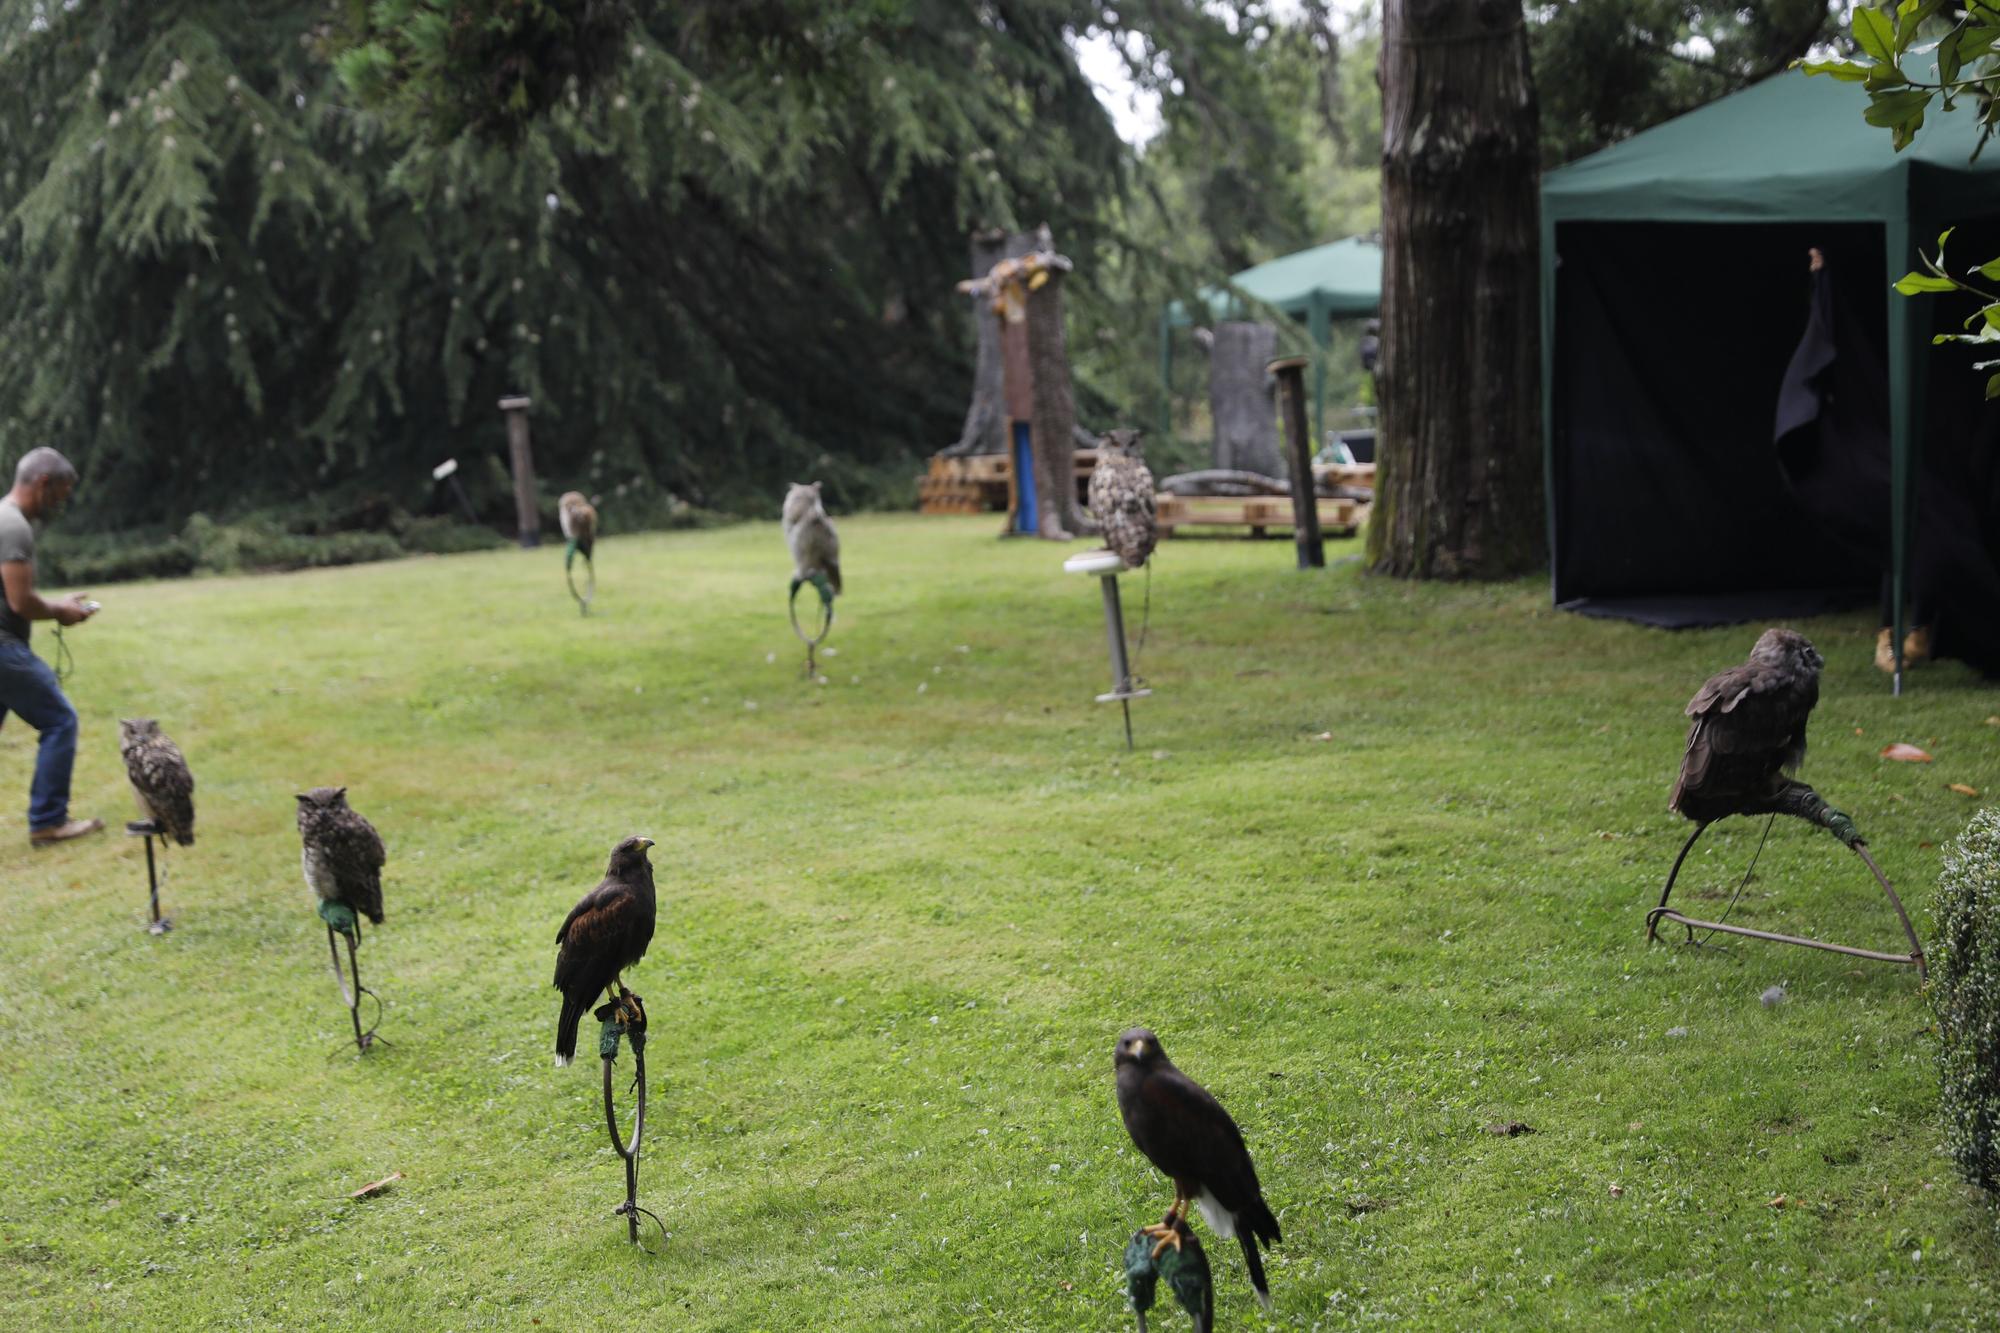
column 1964, row 993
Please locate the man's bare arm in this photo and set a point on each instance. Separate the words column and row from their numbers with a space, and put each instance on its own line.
column 18, row 577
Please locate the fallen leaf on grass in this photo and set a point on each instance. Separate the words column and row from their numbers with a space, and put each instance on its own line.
column 1905, row 754
column 1509, row 1128
column 1324, row 736
column 376, row 1188
column 1993, row 721
column 1778, row 1202
column 1962, row 789
column 1617, row 1191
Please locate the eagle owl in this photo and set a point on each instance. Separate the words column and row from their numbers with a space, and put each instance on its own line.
column 1121, row 498
column 160, row 778
column 343, row 854
column 579, row 521
column 810, row 535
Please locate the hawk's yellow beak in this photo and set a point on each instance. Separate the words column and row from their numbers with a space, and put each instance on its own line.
column 647, row 842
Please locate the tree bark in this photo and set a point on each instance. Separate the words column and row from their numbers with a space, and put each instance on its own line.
column 1054, row 422
column 1459, row 480
column 521, row 457
column 1239, row 398
column 985, row 429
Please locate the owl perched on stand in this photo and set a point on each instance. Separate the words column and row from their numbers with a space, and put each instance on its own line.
column 160, row 778
column 809, row 533
column 342, row 856
column 579, row 525
column 1121, row 498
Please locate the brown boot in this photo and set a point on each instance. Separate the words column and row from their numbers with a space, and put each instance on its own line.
column 1885, row 650
column 76, row 828
column 1917, row 646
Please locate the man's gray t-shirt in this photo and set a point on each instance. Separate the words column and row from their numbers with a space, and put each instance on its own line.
column 17, row 542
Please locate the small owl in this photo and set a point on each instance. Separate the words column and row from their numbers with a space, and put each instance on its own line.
column 809, row 533
column 160, row 778
column 579, row 521
column 343, row 854
column 1121, row 498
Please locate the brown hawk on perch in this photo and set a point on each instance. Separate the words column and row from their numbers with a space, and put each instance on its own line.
column 605, row 933
column 1121, row 498
column 1184, row 1131
column 1749, row 735
column 160, row 778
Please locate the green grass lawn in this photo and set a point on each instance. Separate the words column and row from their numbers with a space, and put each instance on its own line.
column 904, row 913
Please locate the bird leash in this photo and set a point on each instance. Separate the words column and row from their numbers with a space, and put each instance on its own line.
column 65, row 664
column 814, row 640
column 626, row 1020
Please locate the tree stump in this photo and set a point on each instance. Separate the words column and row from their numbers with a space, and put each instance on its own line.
column 1239, row 398
column 1459, row 470
column 1054, row 422
column 985, row 429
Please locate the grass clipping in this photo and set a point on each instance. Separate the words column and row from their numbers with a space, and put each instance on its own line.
column 1965, row 996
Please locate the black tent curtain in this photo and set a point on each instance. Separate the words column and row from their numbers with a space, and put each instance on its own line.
column 1672, row 340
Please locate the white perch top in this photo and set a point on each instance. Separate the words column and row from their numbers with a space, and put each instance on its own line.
column 1094, row 562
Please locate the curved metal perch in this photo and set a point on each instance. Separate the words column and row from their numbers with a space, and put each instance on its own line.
column 351, row 990
column 1914, row 958
column 589, row 581
column 812, row 641
column 621, row 1022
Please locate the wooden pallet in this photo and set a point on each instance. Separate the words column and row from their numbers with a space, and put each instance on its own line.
column 1259, row 513
column 977, row 483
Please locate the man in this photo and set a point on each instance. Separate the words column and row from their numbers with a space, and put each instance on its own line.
column 42, row 485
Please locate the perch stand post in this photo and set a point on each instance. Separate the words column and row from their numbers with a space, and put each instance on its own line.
column 626, row 1019
column 147, row 829
column 1290, row 374
column 341, row 923
column 1107, row 565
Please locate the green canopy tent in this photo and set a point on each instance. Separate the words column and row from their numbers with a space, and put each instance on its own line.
column 1683, row 250
column 1339, row 280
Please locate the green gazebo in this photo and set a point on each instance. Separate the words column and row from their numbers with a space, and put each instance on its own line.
column 1683, row 248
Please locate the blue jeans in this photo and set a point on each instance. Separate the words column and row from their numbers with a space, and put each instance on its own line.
column 28, row 687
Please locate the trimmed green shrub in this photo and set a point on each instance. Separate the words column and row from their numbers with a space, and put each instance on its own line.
column 1964, row 993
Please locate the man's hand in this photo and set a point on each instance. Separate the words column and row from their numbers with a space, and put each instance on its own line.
column 70, row 611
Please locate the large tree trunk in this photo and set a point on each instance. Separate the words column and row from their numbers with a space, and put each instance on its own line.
column 1054, row 422
column 985, row 429
column 1459, row 480
column 1239, row 398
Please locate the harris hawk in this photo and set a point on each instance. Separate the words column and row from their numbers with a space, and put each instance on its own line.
column 605, row 933
column 1748, row 736
column 1183, row 1130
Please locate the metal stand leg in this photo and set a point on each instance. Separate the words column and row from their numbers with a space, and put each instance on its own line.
column 632, row 1023
column 351, row 990
column 1121, row 668
column 147, row 829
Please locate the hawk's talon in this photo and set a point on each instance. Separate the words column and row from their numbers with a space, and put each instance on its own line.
column 1172, row 1238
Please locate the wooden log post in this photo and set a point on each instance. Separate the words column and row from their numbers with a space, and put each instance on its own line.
column 1062, row 513
column 987, row 421
column 1290, row 373
column 527, row 511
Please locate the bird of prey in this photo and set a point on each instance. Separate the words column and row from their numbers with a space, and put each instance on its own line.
column 809, row 533
column 1749, row 735
column 1184, row 1132
column 1185, row 1268
column 605, row 933
column 1121, row 498
column 579, row 525
column 160, row 778
column 342, row 855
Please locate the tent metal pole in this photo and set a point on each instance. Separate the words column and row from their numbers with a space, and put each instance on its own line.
column 1902, row 324
column 1548, row 338
column 1317, row 326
